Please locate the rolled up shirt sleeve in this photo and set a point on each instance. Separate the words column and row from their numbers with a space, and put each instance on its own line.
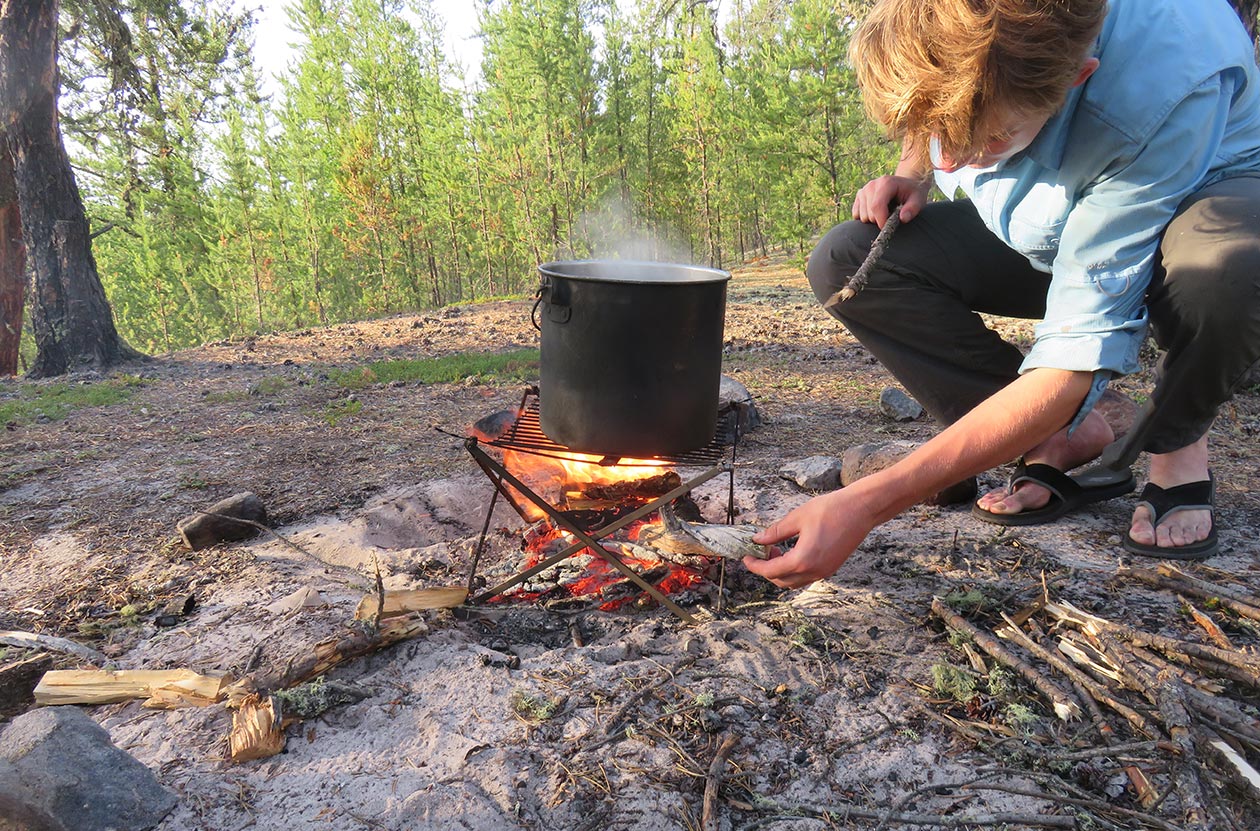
column 1096, row 317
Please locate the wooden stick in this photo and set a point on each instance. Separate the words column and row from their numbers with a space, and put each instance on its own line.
column 1065, row 705
column 858, row 281
column 335, row 651
column 1088, row 690
column 713, row 782
column 1168, row 577
column 1242, row 774
column 1093, row 624
column 51, row 643
column 1208, row 625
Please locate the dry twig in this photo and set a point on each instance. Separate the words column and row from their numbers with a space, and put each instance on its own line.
column 1065, row 705
column 713, row 781
column 858, row 281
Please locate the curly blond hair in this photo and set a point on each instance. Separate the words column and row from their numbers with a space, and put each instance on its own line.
column 955, row 69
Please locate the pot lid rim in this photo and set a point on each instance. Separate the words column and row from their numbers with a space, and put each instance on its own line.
column 683, row 274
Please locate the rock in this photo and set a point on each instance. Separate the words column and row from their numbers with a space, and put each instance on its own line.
column 898, row 406
column 864, row 459
column 59, row 771
column 737, row 415
column 816, row 473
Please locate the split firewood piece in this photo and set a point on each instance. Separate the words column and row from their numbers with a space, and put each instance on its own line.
column 677, row 536
column 1239, row 771
column 256, row 729
column 1093, row 625
column 166, row 688
column 51, row 643
column 1147, row 793
column 1064, row 703
column 1208, row 625
column 235, row 518
column 1169, row 577
column 403, row 601
column 18, row 679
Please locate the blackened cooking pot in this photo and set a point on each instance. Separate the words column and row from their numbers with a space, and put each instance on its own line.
column 631, row 355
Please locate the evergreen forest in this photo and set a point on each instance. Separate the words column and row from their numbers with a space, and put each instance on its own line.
column 377, row 176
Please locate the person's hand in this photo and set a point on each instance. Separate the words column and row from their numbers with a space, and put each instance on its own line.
column 829, row 528
column 872, row 201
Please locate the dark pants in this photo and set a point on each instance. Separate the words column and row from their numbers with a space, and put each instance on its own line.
column 917, row 314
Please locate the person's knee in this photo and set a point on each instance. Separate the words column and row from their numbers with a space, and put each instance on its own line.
column 837, row 256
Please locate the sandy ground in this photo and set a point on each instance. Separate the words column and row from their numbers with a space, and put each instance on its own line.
column 521, row 715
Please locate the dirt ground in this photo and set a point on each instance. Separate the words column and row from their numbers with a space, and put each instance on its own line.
column 497, row 717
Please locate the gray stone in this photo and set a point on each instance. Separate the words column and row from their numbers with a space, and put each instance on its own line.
column 815, row 473
column 898, row 406
column 862, row 460
column 59, row 771
column 737, row 414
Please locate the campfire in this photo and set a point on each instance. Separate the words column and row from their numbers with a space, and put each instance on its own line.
column 603, row 531
column 594, row 496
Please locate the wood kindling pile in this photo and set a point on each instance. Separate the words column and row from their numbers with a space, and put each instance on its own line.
column 1194, row 701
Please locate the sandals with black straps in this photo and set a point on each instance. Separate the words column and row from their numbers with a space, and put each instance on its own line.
column 1162, row 502
column 1067, row 493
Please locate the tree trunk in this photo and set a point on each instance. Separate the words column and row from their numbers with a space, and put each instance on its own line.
column 1249, row 11
column 72, row 321
column 12, row 266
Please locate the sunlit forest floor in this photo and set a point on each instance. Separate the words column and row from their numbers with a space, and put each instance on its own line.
column 824, row 689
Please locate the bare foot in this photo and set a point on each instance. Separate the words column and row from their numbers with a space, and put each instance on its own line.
column 1181, row 467
column 1058, row 451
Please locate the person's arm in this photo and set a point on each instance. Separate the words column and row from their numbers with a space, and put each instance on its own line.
column 830, row 527
column 908, row 186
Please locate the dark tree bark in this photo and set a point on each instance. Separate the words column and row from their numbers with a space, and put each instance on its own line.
column 70, row 318
column 1249, row 11
column 12, row 266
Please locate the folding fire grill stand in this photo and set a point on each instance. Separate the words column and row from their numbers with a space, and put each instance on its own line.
column 526, row 436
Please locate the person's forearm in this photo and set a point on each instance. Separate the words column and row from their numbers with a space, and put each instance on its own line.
column 1012, row 421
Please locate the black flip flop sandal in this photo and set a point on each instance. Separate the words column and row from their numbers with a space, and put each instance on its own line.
column 1067, row 493
column 1195, row 496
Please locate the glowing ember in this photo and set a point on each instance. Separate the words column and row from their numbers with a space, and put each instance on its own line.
column 591, row 496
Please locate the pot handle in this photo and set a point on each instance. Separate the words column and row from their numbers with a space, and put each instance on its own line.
column 556, row 312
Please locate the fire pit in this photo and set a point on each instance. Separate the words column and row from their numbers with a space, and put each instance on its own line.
column 589, row 514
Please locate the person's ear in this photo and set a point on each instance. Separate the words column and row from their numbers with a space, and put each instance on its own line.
column 1087, row 69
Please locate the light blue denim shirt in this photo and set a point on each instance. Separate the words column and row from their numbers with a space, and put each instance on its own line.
column 1173, row 107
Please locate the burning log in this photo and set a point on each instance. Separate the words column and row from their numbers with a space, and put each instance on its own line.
column 649, row 488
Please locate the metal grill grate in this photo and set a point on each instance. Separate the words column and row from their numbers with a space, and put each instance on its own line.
column 526, row 435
